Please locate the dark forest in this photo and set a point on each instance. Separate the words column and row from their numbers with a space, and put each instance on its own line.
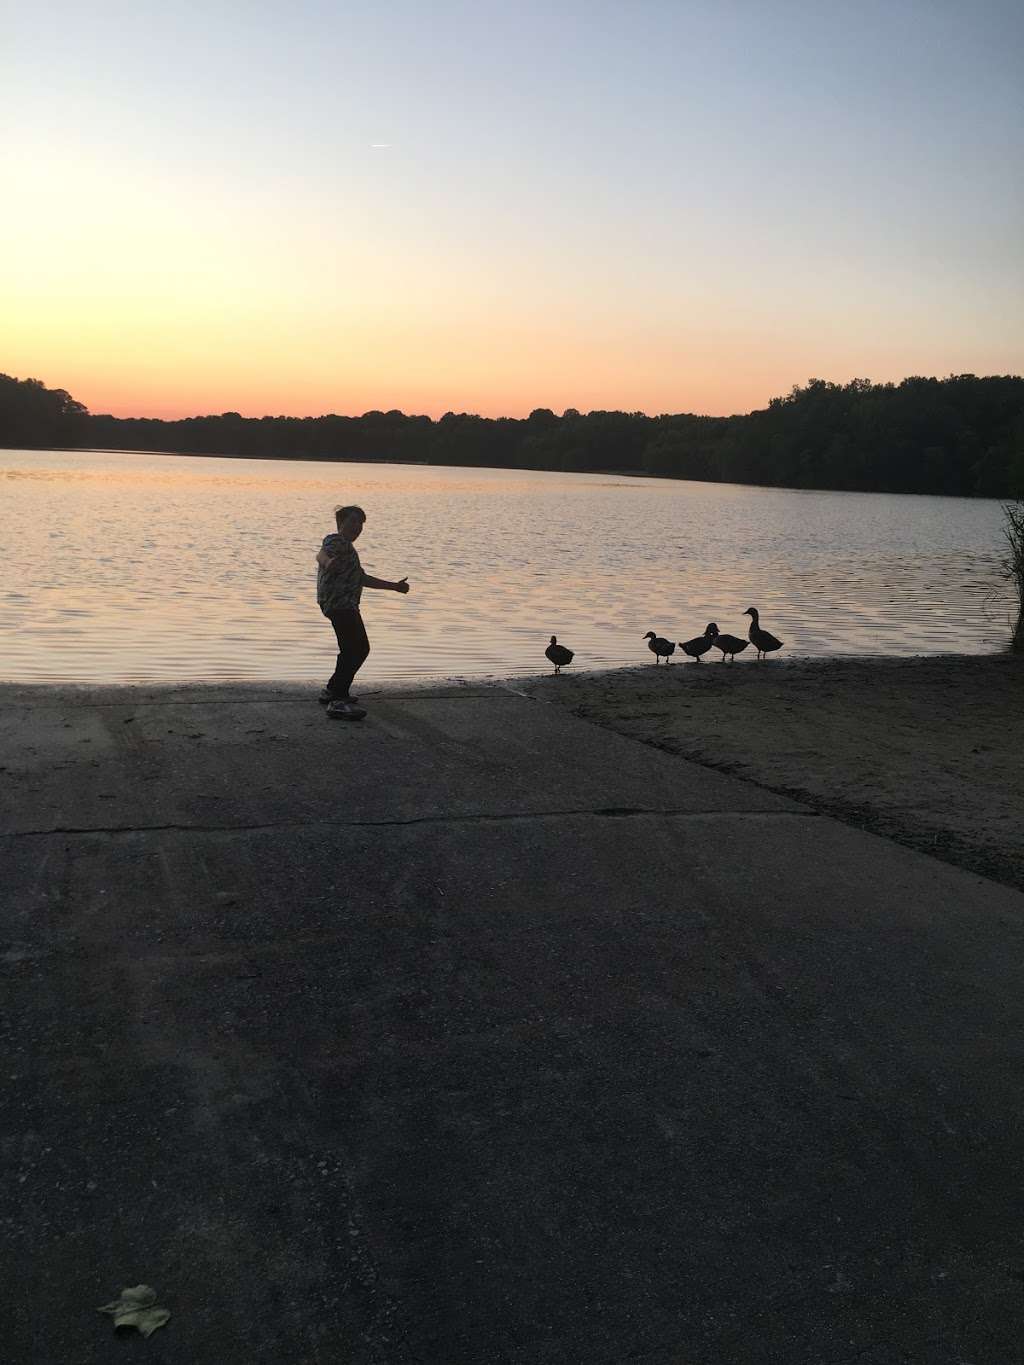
column 963, row 435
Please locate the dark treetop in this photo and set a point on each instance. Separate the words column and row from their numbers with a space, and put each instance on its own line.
column 963, row 435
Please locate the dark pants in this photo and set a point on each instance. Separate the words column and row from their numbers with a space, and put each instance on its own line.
column 353, row 648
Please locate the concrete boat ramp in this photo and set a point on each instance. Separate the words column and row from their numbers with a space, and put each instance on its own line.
column 475, row 1034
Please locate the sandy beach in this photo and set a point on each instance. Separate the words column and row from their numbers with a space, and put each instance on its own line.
column 926, row 751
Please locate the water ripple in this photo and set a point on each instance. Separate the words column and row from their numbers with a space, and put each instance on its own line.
column 148, row 568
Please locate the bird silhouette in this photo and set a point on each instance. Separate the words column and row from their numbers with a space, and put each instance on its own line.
column 659, row 647
column 762, row 640
column 700, row 644
column 730, row 645
column 558, row 654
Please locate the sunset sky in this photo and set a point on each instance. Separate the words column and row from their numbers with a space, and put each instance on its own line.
column 685, row 206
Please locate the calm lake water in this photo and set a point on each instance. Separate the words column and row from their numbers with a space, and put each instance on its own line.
column 154, row 568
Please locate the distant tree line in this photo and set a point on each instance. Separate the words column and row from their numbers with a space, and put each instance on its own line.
column 962, row 435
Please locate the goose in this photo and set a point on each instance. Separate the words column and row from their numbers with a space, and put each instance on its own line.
column 700, row 644
column 659, row 647
column 558, row 654
column 762, row 640
column 729, row 644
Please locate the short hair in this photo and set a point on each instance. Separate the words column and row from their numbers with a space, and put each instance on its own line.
column 342, row 513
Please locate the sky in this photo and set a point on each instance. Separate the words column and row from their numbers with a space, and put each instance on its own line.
column 653, row 205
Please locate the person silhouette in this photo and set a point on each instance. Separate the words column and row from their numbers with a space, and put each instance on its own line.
column 340, row 580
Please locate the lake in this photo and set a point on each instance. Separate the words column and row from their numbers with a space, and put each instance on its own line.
column 125, row 567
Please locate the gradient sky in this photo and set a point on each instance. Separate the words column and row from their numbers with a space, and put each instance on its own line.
column 672, row 207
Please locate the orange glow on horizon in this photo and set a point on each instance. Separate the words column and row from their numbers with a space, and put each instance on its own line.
column 165, row 377
column 435, row 211
column 174, row 314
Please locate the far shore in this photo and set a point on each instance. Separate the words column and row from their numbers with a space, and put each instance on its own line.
column 354, row 459
column 227, row 455
column 924, row 750
column 586, row 471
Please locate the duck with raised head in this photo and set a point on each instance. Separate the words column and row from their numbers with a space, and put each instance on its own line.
column 762, row 640
column 558, row 654
column 659, row 647
column 730, row 645
column 700, row 644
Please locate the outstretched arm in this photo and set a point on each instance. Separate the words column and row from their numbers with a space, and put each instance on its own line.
column 370, row 582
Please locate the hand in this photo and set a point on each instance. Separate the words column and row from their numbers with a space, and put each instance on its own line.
column 402, row 585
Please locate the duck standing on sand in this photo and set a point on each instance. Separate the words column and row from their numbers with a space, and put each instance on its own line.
column 659, row 647
column 762, row 640
column 558, row 654
column 700, row 644
column 730, row 645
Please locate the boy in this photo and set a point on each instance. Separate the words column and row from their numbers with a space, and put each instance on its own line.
column 340, row 581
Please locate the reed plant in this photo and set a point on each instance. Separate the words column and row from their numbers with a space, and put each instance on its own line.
column 1013, row 564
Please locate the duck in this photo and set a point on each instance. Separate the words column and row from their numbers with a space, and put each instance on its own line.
column 762, row 640
column 700, row 644
column 729, row 644
column 659, row 647
column 558, row 654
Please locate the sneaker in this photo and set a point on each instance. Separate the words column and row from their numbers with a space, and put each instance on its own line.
column 326, row 697
column 345, row 710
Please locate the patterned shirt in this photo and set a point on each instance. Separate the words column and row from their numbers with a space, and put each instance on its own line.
column 339, row 587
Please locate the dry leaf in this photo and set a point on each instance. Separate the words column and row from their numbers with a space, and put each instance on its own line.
column 137, row 1308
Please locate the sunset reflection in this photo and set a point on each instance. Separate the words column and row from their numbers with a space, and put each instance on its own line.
column 148, row 568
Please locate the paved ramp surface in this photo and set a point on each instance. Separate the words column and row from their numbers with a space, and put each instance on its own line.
column 474, row 1034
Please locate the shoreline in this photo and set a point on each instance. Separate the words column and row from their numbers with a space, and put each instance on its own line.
column 922, row 750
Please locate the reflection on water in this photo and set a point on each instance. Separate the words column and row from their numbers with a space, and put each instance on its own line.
column 132, row 567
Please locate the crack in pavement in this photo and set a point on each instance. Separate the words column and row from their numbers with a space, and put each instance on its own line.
column 141, row 704
column 602, row 812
